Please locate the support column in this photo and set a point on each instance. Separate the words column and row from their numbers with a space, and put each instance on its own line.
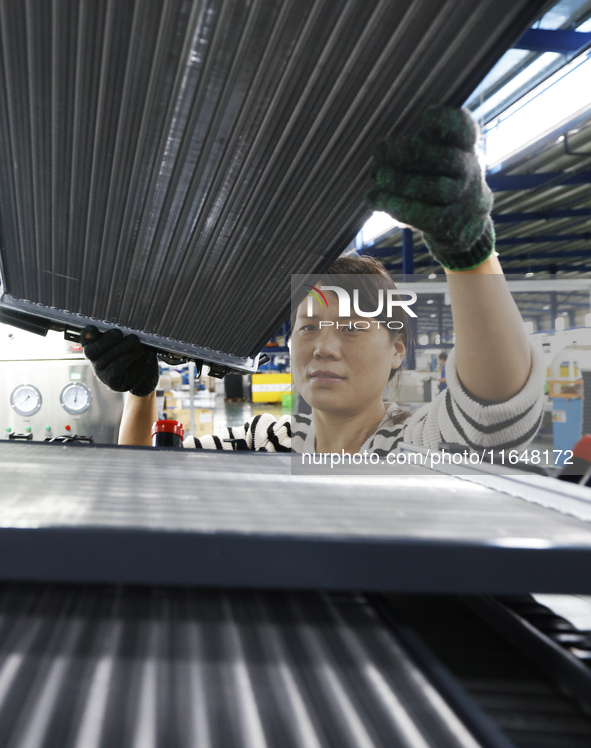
column 408, row 263
column 553, row 309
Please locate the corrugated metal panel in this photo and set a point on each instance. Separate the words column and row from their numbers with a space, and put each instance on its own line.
column 92, row 513
column 124, row 668
column 165, row 166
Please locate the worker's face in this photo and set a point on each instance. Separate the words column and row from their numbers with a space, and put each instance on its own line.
column 345, row 369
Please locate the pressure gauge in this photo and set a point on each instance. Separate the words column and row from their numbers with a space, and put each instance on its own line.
column 26, row 399
column 75, row 398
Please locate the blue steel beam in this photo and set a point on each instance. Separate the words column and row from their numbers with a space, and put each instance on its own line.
column 422, row 264
column 407, row 252
column 543, row 238
column 576, row 254
column 394, row 253
column 538, row 215
column 573, row 254
column 563, row 41
column 428, row 264
column 501, row 182
column 505, row 262
column 422, row 267
column 563, row 268
column 572, row 269
column 542, row 215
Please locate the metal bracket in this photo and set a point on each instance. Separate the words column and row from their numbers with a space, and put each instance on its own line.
column 72, row 335
column 569, row 152
column 18, row 312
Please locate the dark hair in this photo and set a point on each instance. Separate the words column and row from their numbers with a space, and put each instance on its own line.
column 369, row 276
column 443, row 355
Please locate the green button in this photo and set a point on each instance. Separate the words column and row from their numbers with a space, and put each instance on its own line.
column 28, row 428
column 48, row 428
column 8, row 428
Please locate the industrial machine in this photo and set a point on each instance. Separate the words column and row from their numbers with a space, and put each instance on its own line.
column 51, row 392
column 565, row 389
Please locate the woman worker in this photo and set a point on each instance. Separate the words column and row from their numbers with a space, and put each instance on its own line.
column 495, row 378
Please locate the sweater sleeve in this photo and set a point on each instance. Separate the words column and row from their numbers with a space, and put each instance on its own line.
column 456, row 415
column 263, row 433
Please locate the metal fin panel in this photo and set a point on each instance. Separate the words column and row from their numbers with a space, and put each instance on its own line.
column 125, row 668
column 165, row 166
column 241, row 519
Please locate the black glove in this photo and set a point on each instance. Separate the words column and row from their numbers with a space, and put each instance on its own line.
column 434, row 182
column 120, row 361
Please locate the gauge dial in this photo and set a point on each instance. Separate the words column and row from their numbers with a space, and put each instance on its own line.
column 26, row 399
column 75, row 398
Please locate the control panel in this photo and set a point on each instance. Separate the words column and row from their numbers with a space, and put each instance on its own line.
column 50, row 399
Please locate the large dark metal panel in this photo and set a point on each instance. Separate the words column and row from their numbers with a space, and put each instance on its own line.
column 165, row 165
column 125, row 668
column 185, row 517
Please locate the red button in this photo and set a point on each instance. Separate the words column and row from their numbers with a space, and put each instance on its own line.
column 67, row 428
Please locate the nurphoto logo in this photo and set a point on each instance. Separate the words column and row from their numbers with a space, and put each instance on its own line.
column 393, row 298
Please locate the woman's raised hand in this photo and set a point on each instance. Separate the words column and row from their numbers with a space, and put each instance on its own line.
column 434, row 182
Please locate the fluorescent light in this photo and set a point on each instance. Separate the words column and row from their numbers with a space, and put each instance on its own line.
column 423, row 340
column 514, row 57
column 556, row 100
column 432, row 276
column 379, row 224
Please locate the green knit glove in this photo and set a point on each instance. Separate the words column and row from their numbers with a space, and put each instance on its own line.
column 433, row 181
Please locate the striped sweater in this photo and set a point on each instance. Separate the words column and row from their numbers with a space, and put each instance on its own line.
column 454, row 416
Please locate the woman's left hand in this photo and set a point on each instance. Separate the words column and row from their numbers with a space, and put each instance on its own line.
column 434, row 182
